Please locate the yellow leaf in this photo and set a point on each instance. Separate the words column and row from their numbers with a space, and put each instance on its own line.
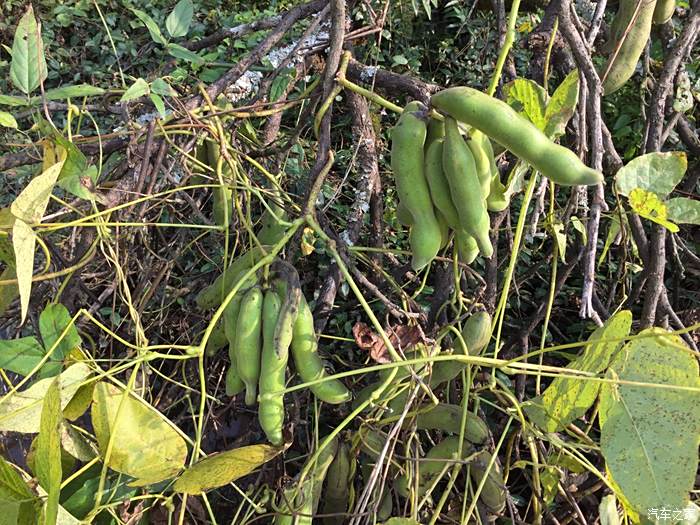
column 24, row 244
column 648, row 205
column 308, row 239
column 30, row 205
column 221, row 469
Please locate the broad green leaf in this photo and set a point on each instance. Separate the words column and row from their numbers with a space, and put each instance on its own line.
column 649, row 436
column 158, row 103
column 151, row 25
column 30, row 205
column 528, row 98
column 568, row 399
column 145, row 446
column 561, row 106
column 161, row 87
column 178, row 21
column 138, row 89
column 683, row 210
column 613, row 232
column 21, row 411
column 80, row 90
column 221, row 469
column 7, row 120
column 279, row 85
column 8, row 100
column 646, row 204
column 28, row 66
column 52, row 322
column 76, row 176
column 608, row 511
column 48, row 451
column 24, row 244
column 185, row 54
column 20, row 355
column 557, row 229
column 75, row 444
column 17, row 501
column 655, row 172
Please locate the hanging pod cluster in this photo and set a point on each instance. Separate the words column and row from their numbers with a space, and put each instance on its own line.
column 444, row 183
column 629, row 34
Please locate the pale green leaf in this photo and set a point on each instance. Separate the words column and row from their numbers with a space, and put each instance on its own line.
column 579, row 227
column 80, row 90
column 158, row 103
column 655, row 172
column 646, row 204
column 613, row 232
column 24, row 244
column 185, row 54
column 178, row 21
column 138, row 89
column 8, row 100
column 76, row 176
column 567, row 399
column 683, row 210
column 221, row 469
column 20, row 355
column 560, row 237
column 8, row 292
column 527, row 97
column 52, row 323
column 151, row 25
column 279, row 85
column 28, row 66
column 561, row 106
column 146, row 446
column 48, row 451
column 161, row 87
column 31, row 203
column 21, row 411
column 76, row 444
column 649, row 436
column 7, row 120
column 17, row 501
column 608, row 511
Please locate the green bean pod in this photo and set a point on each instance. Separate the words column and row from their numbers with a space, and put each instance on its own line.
column 493, row 494
column 234, row 383
column 467, row 249
column 438, row 185
column 273, row 365
column 444, row 229
column 465, row 188
column 403, row 215
column 630, row 34
column 248, row 342
column 213, row 294
column 435, row 131
column 407, row 163
column 337, row 492
column 663, row 11
column 448, row 418
column 223, row 204
column 217, row 339
column 433, row 465
column 502, row 123
column 477, row 145
column 272, row 228
column 307, row 361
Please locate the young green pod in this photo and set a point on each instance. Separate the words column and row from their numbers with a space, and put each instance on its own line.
column 217, row 339
column 465, row 188
column 505, row 125
column 213, row 294
column 444, row 229
column 307, row 361
column 433, row 465
column 467, row 249
column 403, row 215
column 248, row 342
column 438, row 185
column 407, row 163
column 493, row 494
column 436, row 131
column 234, row 383
column 448, row 418
column 630, row 35
column 273, row 365
column 476, row 144
column 663, row 11
column 272, row 228
column 337, row 488
column 497, row 200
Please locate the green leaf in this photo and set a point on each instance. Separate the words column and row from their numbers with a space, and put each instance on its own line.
column 649, row 436
column 7, row 120
column 151, row 25
column 279, row 86
column 158, row 103
column 683, row 210
column 150, row 456
column 178, row 22
column 8, row 100
column 568, row 399
column 76, row 176
column 28, row 66
column 24, row 244
column 48, row 451
column 655, row 172
column 160, row 87
column 646, row 204
column 18, row 502
column 81, row 90
column 20, row 355
column 185, row 54
column 52, row 322
column 608, row 511
column 528, row 98
column 8, row 292
column 561, row 106
column 138, row 89
column 21, row 411
column 613, row 232
column 221, row 469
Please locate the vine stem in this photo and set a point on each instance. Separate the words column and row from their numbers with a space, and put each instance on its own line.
column 507, row 44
